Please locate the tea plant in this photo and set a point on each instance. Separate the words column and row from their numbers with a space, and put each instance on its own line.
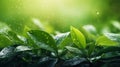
column 77, row 48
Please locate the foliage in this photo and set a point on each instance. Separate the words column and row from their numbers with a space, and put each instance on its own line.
column 77, row 48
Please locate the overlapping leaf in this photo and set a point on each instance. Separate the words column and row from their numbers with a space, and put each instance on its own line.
column 43, row 40
column 78, row 38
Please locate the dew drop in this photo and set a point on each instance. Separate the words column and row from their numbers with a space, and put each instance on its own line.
column 97, row 12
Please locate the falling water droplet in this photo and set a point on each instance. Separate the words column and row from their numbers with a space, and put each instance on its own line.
column 97, row 12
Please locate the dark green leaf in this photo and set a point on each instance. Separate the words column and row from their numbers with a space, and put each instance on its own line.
column 108, row 49
column 43, row 40
column 74, row 62
column 13, row 37
column 74, row 50
column 108, row 62
column 31, row 43
column 7, row 52
column 91, row 48
column 46, row 62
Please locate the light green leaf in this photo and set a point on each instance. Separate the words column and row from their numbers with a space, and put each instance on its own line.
column 104, row 41
column 78, row 38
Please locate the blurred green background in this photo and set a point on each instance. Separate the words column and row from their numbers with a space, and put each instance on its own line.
column 57, row 15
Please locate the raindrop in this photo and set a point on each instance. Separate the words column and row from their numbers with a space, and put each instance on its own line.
column 98, row 13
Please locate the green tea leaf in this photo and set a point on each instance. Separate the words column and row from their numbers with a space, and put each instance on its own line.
column 91, row 48
column 108, row 49
column 13, row 37
column 60, row 37
column 46, row 62
column 104, row 41
column 112, row 36
column 43, row 40
column 74, row 50
column 4, row 41
column 63, row 39
column 75, row 62
column 78, row 38
column 22, row 48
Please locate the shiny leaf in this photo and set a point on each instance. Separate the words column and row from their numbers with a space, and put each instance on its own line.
column 78, row 38
column 104, row 41
column 43, row 40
